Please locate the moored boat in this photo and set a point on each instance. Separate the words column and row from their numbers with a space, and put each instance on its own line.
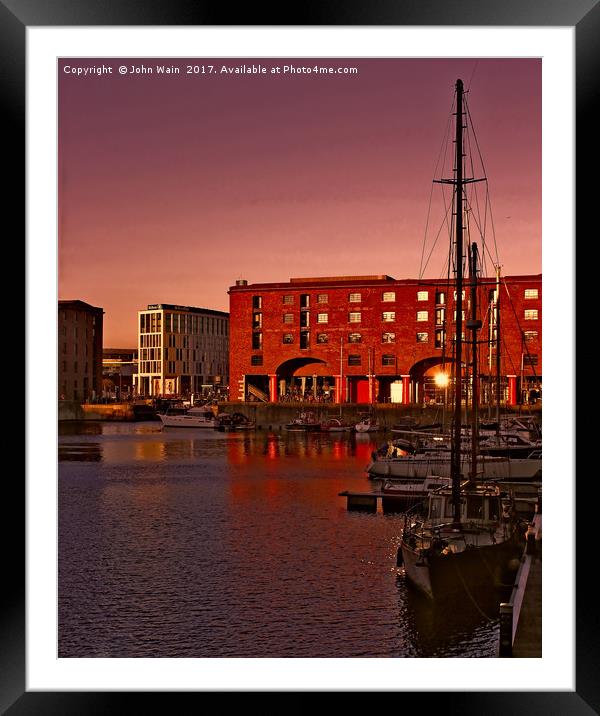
column 367, row 423
column 199, row 417
column 305, row 422
column 335, row 425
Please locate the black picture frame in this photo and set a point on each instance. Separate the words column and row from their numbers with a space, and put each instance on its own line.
column 15, row 17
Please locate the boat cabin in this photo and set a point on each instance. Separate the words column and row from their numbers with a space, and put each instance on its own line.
column 480, row 505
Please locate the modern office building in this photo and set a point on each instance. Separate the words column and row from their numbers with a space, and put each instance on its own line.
column 377, row 339
column 79, row 350
column 182, row 351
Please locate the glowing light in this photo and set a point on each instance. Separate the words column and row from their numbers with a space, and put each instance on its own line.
column 441, row 380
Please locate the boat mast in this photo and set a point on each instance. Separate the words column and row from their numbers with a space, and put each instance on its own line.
column 458, row 180
column 474, row 324
column 498, row 386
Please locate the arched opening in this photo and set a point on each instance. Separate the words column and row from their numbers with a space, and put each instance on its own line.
column 431, row 381
column 305, row 379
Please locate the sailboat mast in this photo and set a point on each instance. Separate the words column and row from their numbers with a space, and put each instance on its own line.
column 498, row 383
column 456, row 452
column 474, row 324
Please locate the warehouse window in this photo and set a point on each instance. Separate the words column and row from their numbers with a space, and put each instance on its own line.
column 388, row 337
column 322, row 338
column 353, row 359
column 422, row 337
column 354, row 298
column 257, row 302
column 422, row 315
column 531, row 293
column 354, row 317
column 389, row 296
column 531, row 314
column 288, row 299
column 322, row 298
column 388, row 359
column 322, row 317
column 288, row 337
column 388, row 316
column 530, row 336
column 288, row 317
column 256, row 360
column 422, row 295
column 354, row 338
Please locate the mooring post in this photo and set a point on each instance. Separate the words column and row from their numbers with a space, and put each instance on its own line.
column 506, row 629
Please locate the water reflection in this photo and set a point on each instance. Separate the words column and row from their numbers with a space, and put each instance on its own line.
column 186, row 543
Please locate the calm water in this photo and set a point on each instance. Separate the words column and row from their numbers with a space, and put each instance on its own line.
column 195, row 543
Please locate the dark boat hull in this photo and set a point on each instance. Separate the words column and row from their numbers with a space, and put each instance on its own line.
column 471, row 571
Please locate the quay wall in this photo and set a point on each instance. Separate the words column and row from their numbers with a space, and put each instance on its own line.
column 73, row 410
column 266, row 415
column 276, row 415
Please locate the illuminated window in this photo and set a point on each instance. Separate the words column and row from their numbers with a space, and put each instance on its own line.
column 440, row 298
column 422, row 295
column 531, row 314
column 288, row 299
column 389, row 296
column 322, row 298
column 288, row 317
column 530, row 336
column 388, row 337
column 531, row 293
column 422, row 337
column 422, row 315
column 322, row 317
column 388, row 316
column 354, row 298
column 257, row 320
column 440, row 338
column 354, row 317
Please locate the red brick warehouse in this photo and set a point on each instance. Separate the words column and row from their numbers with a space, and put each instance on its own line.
column 377, row 339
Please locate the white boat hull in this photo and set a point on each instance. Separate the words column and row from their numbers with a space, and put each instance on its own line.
column 487, row 468
column 186, row 421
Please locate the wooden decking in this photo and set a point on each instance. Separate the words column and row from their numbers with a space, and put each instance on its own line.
column 528, row 637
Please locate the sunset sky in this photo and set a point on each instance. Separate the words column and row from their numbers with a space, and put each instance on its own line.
column 171, row 187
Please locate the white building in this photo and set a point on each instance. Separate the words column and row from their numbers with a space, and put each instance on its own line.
column 181, row 350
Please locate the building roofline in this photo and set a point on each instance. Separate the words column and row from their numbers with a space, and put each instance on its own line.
column 78, row 303
column 188, row 309
column 365, row 281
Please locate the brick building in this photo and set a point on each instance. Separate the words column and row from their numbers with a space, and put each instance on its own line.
column 377, row 339
column 79, row 350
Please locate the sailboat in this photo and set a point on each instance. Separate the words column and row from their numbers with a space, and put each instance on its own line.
column 469, row 538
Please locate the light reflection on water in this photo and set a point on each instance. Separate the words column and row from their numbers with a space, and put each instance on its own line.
column 184, row 543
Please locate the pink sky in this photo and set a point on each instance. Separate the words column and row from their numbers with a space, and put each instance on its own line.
column 171, row 187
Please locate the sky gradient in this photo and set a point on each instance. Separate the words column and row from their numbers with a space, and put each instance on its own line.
column 171, row 187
